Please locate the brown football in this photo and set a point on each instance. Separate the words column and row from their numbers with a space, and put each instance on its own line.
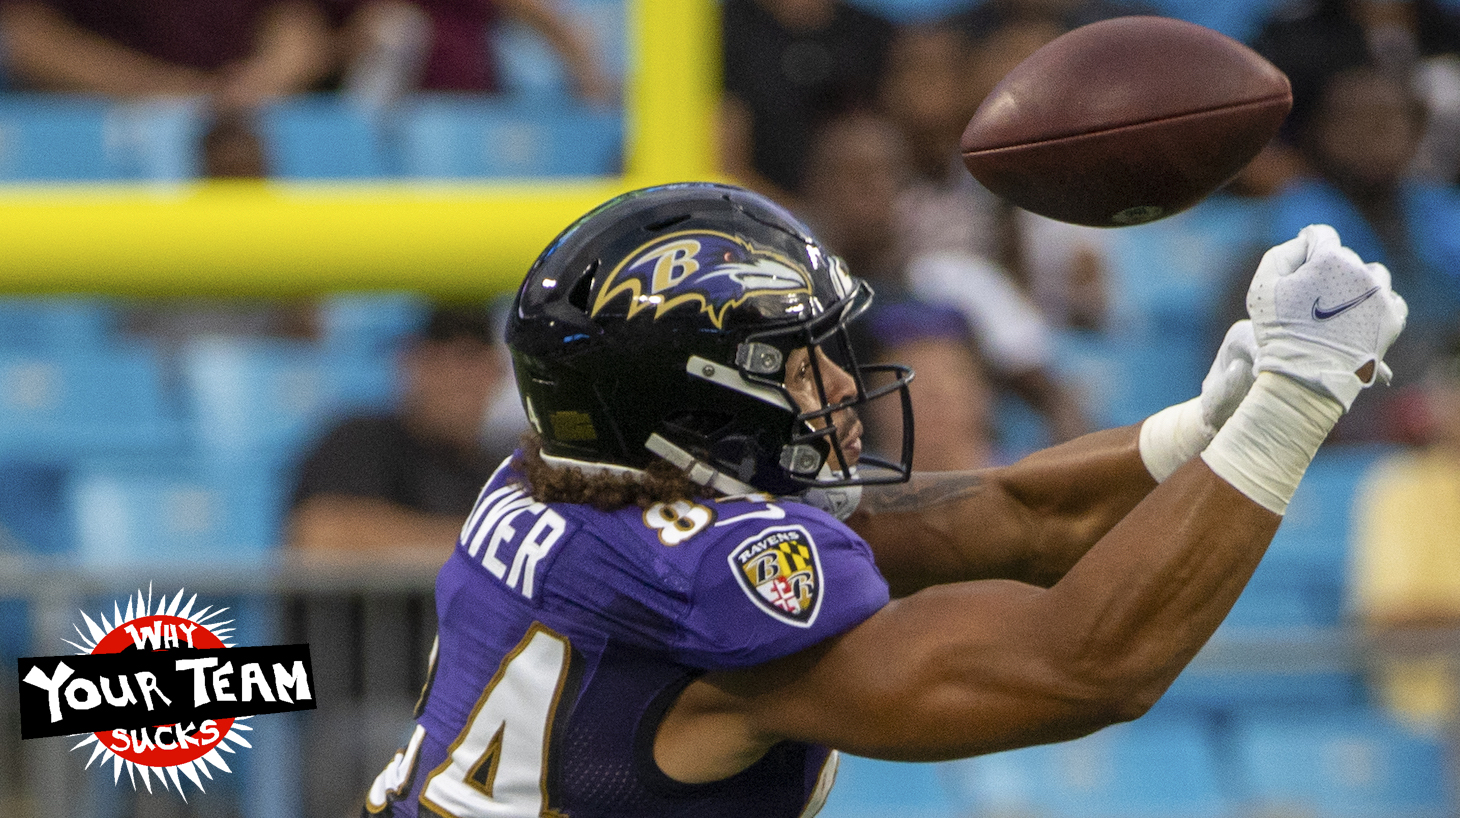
column 1125, row 121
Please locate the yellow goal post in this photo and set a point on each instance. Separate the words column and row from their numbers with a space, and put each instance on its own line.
column 282, row 239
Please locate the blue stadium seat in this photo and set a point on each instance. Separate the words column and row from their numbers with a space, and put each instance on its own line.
column 1122, row 379
column 1346, row 764
column 1143, row 769
column 460, row 137
column 867, row 788
column 56, row 137
column 54, row 408
column 1309, row 555
column 369, row 321
column 158, row 139
column 264, row 400
column 1240, row 21
column 159, row 511
column 527, row 65
column 915, row 11
column 1168, row 276
column 56, row 324
column 323, row 137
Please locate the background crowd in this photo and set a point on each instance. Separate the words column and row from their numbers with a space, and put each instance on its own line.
column 378, row 415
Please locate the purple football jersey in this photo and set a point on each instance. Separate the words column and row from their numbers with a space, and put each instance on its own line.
column 566, row 633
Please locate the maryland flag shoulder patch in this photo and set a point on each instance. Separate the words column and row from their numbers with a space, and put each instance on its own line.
column 780, row 571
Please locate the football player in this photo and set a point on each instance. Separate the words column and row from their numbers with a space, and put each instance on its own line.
column 692, row 586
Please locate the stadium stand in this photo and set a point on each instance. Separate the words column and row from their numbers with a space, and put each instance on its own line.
column 323, row 137
column 65, row 138
column 1148, row 768
column 1348, row 764
column 447, row 137
column 169, row 511
column 867, row 788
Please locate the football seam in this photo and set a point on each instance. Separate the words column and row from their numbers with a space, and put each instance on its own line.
column 1288, row 97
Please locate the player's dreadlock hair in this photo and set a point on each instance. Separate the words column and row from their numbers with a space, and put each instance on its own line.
column 661, row 482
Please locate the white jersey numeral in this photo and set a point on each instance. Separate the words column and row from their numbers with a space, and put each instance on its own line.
column 497, row 767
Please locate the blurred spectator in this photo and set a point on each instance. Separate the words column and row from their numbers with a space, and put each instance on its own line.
column 951, row 387
column 392, row 47
column 934, row 81
column 233, row 149
column 857, row 167
column 1406, row 565
column 1360, row 138
column 1418, row 39
column 237, row 53
column 788, row 66
column 982, row 19
column 403, row 483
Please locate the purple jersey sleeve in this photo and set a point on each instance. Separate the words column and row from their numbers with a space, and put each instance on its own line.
column 766, row 587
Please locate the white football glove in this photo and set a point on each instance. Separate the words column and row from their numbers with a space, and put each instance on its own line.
column 1322, row 316
column 1231, row 375
column 1178, row 433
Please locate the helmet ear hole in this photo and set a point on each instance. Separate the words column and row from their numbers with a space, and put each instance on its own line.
column 579, row 296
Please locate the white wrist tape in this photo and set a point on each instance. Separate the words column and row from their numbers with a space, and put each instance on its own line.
column 1173, row 436
column 1269, row 442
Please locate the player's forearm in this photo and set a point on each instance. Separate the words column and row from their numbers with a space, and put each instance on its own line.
column 1149, row 594
column 1029, row 521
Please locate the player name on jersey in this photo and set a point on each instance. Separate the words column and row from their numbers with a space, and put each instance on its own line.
column 492, row 532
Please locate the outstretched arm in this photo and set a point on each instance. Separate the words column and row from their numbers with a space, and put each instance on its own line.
column 1034, row 519
column 1029, row 521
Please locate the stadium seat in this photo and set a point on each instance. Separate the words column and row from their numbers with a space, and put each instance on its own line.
column 262, row 401
column 323, row 137
column 1345, row 764
column 1168, row 276
column 33, row 515
column 459, row 137
column 369, row 321
column 1143, row 769
column 160, row 511
column 909, row 12
column 56, row 324
column 1240, row 21
column 867, row 788
column 1309, row 555
column 57, row 138
column 54, row 408
column 158, row 140
column 527, row 66
column 1123, row 379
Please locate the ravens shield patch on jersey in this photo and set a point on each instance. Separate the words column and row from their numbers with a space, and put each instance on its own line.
column 780, row 571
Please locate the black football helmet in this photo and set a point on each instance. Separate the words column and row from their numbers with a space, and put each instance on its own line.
column 659, row 324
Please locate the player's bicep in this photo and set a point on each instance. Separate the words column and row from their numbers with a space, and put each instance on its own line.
column 950, row 672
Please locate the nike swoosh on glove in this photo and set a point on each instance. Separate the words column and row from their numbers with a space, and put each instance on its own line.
column 1323, row 317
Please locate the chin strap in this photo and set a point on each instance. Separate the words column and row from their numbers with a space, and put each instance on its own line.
column 698, row 470
column 839, row 501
